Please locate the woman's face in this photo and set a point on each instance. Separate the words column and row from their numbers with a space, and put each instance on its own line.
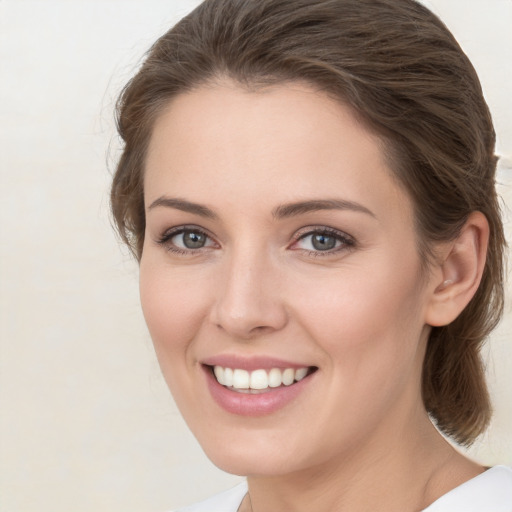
column 279, row 246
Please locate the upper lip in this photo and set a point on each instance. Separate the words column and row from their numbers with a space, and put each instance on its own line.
column 251, row 363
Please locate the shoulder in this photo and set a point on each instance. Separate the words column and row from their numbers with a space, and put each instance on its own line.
column 227, row 501
column 489, row 492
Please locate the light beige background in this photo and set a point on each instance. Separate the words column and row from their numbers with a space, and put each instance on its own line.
column 86, row 422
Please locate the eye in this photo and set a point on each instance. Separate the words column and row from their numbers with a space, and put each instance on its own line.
column 323, row 240
column 190, row 240
column 184, row 240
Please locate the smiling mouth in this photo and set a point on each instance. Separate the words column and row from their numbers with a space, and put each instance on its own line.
column 259, row 381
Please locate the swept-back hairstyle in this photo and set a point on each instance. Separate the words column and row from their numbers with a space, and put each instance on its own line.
column 400, row 70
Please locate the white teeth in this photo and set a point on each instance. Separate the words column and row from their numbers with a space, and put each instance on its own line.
column 228, row 377
column 258, row 379
column 299, row 374
column 241, row 379
column 288, row 376
column 275, row 379
column 219, row 374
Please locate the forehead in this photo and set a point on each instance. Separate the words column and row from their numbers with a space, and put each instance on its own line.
column 286, row 142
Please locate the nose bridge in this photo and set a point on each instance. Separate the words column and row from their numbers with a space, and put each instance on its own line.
column 248, row 300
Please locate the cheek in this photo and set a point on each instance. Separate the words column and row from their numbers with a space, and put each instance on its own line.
column 174, row 308
column 373, row 316
column 173, row 305
column 370, row 336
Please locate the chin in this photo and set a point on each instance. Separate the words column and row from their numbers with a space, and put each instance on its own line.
column 246, row 463
column 258, row 452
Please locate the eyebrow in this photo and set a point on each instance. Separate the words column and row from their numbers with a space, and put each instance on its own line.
column 281, row 212
column 299, row 208
column 183, row 205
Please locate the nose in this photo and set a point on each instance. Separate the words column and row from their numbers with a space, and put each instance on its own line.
column 248, row 301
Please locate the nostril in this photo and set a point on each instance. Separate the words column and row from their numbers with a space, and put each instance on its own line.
column 245, row 332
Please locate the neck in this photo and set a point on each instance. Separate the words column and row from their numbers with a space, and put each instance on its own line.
column 399, row 471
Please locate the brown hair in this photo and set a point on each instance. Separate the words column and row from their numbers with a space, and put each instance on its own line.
column 403, row 73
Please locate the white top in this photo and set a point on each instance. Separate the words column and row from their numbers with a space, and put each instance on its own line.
column 489, row 492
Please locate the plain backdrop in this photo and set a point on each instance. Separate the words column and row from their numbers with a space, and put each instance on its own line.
column 86, row 422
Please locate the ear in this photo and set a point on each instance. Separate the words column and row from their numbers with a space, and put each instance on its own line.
column 457, row 275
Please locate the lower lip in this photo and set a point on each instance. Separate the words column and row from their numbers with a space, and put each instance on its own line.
column 260, row 404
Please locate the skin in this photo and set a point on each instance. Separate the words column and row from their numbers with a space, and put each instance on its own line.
column 357, row 437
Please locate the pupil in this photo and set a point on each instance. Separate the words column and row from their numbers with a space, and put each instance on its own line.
column 193, row 240
column 323, row 242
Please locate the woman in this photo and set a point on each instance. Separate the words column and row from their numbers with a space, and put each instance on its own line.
column 309, row 189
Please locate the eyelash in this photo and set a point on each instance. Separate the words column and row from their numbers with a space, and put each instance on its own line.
column 347, row 242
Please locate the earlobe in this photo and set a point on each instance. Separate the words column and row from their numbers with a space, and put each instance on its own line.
column 459, row 273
